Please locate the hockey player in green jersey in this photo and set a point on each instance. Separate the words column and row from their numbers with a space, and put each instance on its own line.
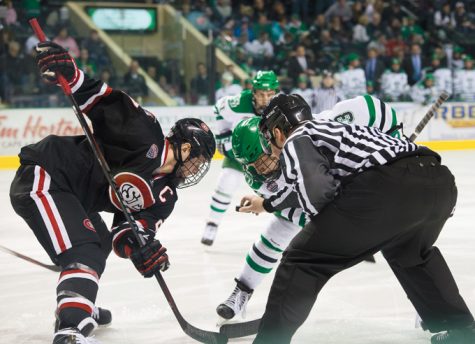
column 229, row 111
column 259, row 170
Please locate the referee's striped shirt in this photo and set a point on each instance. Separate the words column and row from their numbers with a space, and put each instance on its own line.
column 319, row 153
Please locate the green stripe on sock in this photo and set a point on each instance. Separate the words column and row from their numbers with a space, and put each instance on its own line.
column 256, row 266
column 394, row 123
column 269, row 245
column 217, row 210
column 302, row 220
column 372, row 112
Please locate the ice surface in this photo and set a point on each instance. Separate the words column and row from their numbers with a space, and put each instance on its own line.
column 362, row 305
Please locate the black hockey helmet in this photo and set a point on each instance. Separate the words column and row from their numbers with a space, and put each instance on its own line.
column 195, row 132
column 286, row 112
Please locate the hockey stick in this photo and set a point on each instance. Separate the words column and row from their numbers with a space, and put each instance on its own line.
column 51, row 267
column 195, row 333
column 433, row 109
column 248, row 328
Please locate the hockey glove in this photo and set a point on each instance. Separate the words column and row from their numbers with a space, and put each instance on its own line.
column 124, row 241
column 53, row 58
column 150, row 258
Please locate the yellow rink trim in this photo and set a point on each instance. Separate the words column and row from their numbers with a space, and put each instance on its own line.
column 12, row 162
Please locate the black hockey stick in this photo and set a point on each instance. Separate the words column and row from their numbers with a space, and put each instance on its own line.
column 51, row 267
column 433, row 109
column 241, row 329
column 194, row 332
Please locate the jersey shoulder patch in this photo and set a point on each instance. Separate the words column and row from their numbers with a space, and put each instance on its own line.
column 241, row 103
column 135, row 191
column 345, row 117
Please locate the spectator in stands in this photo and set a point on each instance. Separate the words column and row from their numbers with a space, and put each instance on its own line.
column 444, row 18
column 262, row 24
column 394, row 85
column 173, row 93
column 227, row 87
column 97, row 49
column 340, row 9
column 360, row 34
column 164, row 84
column 67, row 42
column 300, row 64
column 107, row 77
column 277, row 12
column 353, row 81
column 457, row 58
column 327, row 94
column 376, row 26
column 222, row 11
column 339, row 32
column 199, row 86
column 134, row 83
column 413, row 64
column 303, row 89
column 424, row 92
column 319, row 24
column 11, row 17
column 410, row 28
column 393, row 11
column 259, row 10
column 296, row 26
column 248, row 84
column 442, row 75
column 465, row 81
column 199, row 16
column 374, row 68
column 261, row 50
column 328, row 51
column 244, row 28
column 12, row 72
column 86, row 64
column 460, row 15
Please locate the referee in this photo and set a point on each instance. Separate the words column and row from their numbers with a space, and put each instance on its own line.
column 364, row 192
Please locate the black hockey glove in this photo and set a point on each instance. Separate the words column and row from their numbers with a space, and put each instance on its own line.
column 147, row 259
column 150, row 258
column 53, row 58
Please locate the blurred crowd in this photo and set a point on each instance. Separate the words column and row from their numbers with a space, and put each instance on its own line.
column 397, row 50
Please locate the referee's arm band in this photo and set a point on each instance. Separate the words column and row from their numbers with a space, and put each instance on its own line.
column 268, row 206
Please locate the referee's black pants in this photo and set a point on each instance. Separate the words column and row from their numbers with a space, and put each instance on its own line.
column 398, row 209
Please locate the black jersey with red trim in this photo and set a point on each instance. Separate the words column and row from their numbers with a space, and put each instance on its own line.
column 133, row 144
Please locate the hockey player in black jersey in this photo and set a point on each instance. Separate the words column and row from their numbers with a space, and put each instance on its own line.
column 60, row 188
column 364, row 191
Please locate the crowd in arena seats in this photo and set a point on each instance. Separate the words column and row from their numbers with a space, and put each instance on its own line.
column 397, row 50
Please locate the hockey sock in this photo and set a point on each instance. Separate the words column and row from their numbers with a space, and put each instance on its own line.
column 76, row 293
column 228, row 183
column 260, row 260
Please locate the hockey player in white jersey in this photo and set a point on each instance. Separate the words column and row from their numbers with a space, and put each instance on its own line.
column 303, row 90
column 465, row 81
column 259, row 169
column 443, row 80
column 352, row 80
column 394, row 84
column 229, row 111
column 425, row 92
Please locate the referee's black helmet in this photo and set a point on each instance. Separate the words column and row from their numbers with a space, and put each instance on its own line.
column 286, row 112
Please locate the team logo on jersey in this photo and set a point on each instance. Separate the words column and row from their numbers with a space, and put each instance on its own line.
column 88, row 224
column 234, row 101
column 272, row 186
column 152, row 152
column 345, row 118
column 135, row 192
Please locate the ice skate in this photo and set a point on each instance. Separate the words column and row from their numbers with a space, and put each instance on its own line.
column 209, row 234
column 464, row 335
column 236, row 302
column 72, row 335
column 102, row 317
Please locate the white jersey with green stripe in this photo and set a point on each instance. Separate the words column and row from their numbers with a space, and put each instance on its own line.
column 364, row 110
column 229, row 111
column 269, row 188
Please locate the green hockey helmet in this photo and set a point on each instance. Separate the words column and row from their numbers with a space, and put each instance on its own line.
column 265, row 80
column 246, row 142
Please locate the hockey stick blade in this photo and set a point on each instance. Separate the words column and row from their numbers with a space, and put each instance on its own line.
column 433, row 109
column 241, row 329
column 31, row 260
